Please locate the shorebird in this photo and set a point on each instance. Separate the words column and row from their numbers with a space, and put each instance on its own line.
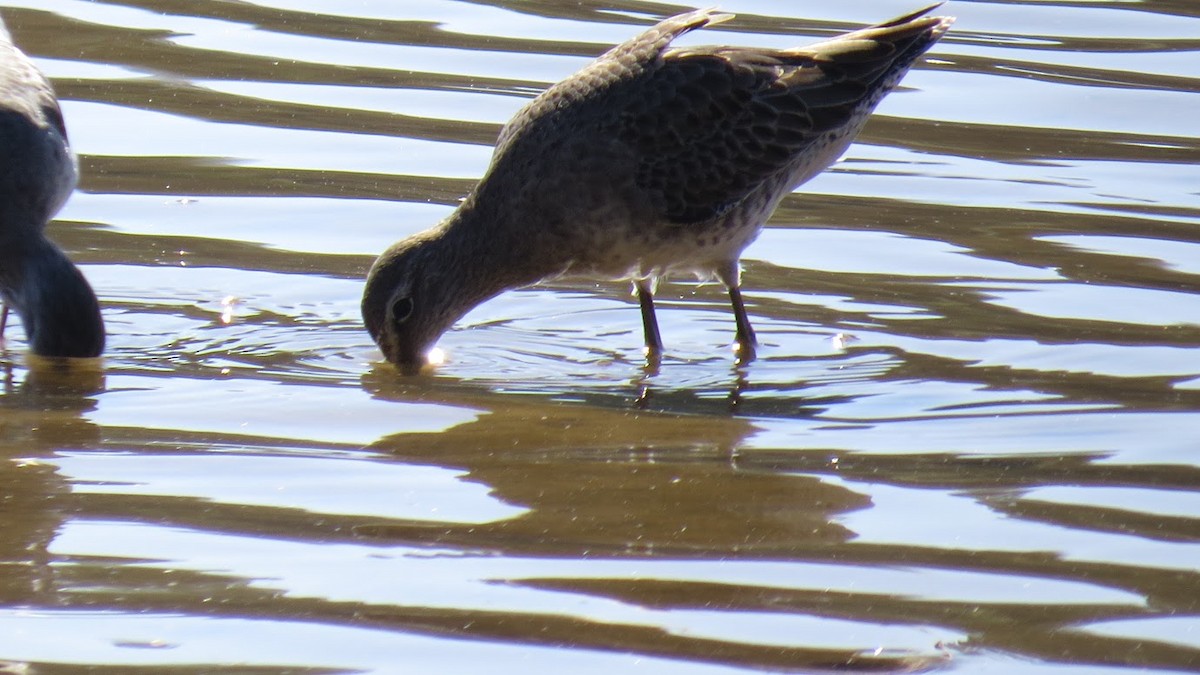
column 37, row 173
column 650, row 161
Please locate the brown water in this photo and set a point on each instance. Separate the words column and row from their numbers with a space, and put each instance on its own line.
column 998, row 472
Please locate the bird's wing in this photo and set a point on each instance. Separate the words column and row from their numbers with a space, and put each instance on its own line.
column 629, row 59
column 26, row 90
column 709, row 124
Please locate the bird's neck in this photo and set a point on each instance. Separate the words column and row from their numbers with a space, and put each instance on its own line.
column 57, row 306
column 489, row 250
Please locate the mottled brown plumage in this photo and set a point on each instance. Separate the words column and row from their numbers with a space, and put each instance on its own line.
column 647, row 162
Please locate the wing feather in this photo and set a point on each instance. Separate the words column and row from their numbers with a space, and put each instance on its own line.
column 709, row 124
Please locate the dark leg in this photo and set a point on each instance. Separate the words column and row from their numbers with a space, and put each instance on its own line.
column 3, row 319
column 745, row 332
column 746, row 342
column 645, row 293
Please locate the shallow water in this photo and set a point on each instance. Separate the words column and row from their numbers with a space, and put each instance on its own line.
column 969, row 443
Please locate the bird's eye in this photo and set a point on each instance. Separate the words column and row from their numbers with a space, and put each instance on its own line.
column 402, row 308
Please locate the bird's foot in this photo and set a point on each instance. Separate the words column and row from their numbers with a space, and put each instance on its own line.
column 653, row 361
column 744, row 352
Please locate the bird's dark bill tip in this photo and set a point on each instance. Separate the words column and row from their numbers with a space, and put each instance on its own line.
column 421, row 365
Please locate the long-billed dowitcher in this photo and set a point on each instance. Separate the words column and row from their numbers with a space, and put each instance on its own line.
column 649, row 161
column 37, row 173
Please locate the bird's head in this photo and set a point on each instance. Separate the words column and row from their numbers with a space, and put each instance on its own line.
column 57, row 306
column 412, row 296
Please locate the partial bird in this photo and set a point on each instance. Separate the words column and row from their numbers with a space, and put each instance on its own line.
column 38, row 171
column 650, row 162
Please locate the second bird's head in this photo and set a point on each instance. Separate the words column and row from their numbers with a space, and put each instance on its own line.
column 57, row 306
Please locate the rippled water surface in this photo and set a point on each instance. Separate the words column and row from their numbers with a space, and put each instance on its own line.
column 969, row 444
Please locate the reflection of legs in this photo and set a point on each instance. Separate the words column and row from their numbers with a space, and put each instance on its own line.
column 730, row 275
column 645, row 293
